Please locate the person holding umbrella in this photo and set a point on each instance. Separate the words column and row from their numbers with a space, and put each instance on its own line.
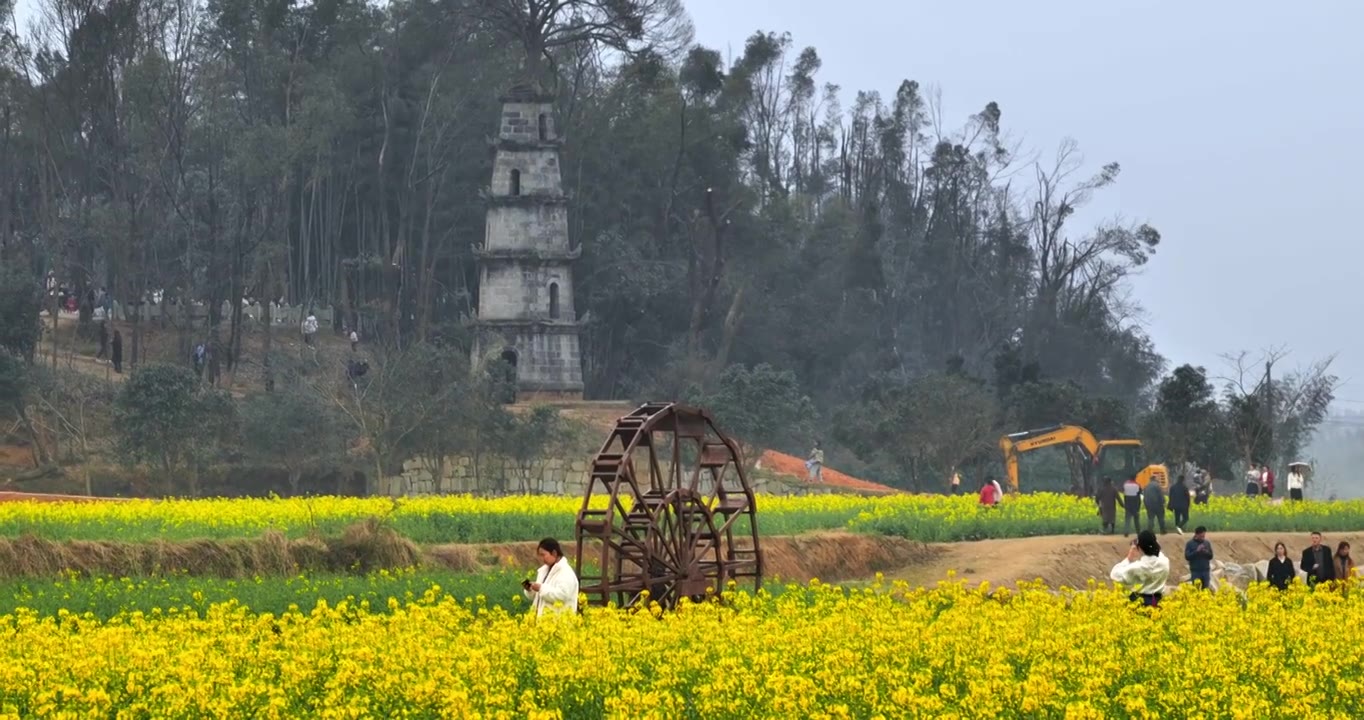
column 1297, row 479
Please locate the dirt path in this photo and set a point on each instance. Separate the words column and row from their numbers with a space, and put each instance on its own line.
column 1072, row 560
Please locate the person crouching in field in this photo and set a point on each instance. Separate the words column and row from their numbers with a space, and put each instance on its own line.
column 1145, row 570
column 556, row 585
column 987, row 494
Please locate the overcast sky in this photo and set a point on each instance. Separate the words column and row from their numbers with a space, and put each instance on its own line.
column 1238, row 126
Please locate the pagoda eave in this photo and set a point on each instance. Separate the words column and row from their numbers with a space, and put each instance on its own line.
column 534, row 200
column 510, row 145
column 542, row 324
column 526, row 255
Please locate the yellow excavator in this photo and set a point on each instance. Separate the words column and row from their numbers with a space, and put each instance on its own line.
column 1118, row 459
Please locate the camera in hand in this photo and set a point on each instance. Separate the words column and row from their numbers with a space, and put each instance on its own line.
column 525, row 584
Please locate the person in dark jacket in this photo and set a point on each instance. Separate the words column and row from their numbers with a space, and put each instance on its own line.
column 1108, row 506
column 103, row 340
column 1179, row 503
column 1202, row 488
column 1317, row 562
column 1344, row 565
column 116, row 352
column 1198, row 552
column 1281, row 571
column 1155, row 505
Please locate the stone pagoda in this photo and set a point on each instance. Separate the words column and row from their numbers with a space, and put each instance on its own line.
column 525, row 279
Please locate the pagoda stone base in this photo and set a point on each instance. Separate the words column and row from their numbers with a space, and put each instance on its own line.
column 547, row 360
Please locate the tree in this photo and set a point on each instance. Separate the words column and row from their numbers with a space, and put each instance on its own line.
column 74, row 411
column 163, row 416
column 544, row 27
column 411, row 402
column 952, row 421
column 14, row 390
column 1187, row 425
column 295, row 430
column 1273, row 419
column 20, row 302
column 927, row 427
column 761, row 406
column 529, row 440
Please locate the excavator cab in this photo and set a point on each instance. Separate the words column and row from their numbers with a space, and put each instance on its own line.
column 1122, row 459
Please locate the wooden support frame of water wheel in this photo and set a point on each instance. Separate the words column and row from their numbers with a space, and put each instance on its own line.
column 680, row 517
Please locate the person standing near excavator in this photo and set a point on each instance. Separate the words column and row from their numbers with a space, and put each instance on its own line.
column 1155, row 506
column 1107, row 499
column 1131, row 505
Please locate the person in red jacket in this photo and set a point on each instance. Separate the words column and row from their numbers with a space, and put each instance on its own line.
column 987, row 494
column 1267, row 480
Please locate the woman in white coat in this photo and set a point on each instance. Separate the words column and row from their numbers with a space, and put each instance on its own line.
column 556, row 585
column 1145, row 569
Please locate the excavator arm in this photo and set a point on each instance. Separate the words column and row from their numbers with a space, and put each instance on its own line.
column 1018, row 443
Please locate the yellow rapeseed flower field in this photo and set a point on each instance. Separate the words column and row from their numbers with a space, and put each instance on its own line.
column 816, row 652
column 428, row 519
column 462, row 518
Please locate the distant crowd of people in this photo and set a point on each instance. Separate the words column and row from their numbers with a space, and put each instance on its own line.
column 1146, row 570
column 1153, row 500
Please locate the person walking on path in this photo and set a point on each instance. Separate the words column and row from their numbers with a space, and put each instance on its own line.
column 1108, row 506
column 1145, row 570
column 1317, row 562
column 815, row 464
column 1131, row 505
column 103, row 340
column 1281, row 571
column 1198, row 552
column 1155, row 506
column 309, row 328
column 1179, row 503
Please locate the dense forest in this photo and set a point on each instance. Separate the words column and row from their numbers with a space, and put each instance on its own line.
column 818, row 263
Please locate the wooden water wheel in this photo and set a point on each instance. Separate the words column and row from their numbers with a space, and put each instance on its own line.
column 680, row 518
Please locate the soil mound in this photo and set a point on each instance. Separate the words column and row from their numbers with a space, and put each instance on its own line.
column 792, row 466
